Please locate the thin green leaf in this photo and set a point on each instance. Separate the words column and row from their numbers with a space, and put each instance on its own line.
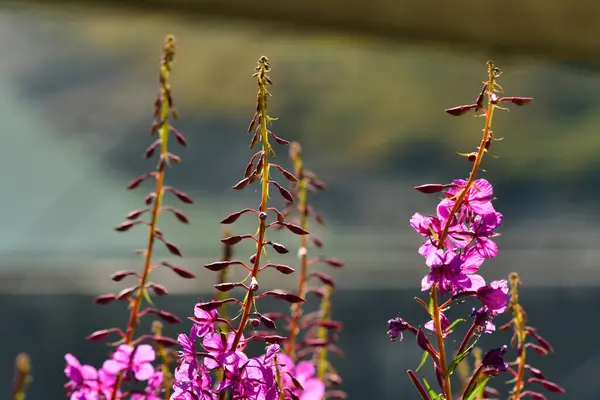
column 432, row 393
column 423, row 359
column 147, row 296
column 452, row 325
column 458, row 359
column 430, row 307
column 478, row 388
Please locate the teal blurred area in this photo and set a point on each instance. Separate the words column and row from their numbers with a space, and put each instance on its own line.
column 76, row 94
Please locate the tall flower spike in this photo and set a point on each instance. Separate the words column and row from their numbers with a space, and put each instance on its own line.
column 320, row 332
column 521, row 334
column 458, row 239
column 163, row 111
column 224, row 359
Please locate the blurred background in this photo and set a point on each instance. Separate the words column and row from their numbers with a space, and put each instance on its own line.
column 363, row 88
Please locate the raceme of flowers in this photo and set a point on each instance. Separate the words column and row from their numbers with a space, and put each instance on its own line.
column 213, row 361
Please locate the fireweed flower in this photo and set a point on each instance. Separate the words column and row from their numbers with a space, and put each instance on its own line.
column 458, row 239
column 138, row 360
column 87, row 383
column 305, row 374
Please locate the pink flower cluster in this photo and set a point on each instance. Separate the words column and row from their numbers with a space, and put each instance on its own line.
column 466, row 232
column 88, row 383
column 244, row 377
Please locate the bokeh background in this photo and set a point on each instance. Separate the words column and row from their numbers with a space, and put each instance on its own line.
column 364, row 96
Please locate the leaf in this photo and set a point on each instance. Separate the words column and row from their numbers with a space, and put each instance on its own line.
column 478, row 388
column 423, row 359
column 432, row 393
column 459, row 358
column 452, row 325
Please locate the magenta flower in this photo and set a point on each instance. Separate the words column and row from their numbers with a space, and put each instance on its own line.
column 153, row 389
column 192, row 384
column 448, row 273
column 86, row 383
column 219, row 347
column 304, row 372
column 484, row 229
column 494, row 359
column 138, row 360
column 398, row 325
column 445, row 322
column 204, row 321
column 494, row 296
column 477, row 201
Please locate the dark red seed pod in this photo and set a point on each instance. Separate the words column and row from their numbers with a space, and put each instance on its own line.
column 252, row 258
column 551, row 386
column 241, row 184
column 316, row 291
column 533, row 395
column 182, row 272
column 284, row 192
column 101, row 334
column 333, row 325
column 430, row 188
column 172, row 248
column 316, row 342
column 520, row 101
column 231, row 218
column 137, row 181
column 280, row 216
column 120, row 275
column 135, row 214
column 279, row 248
column 259, row 166
column 535, row 372
column 542, row 342
column 284, row 269
column 316, row 215
column 178, row 136
column 460, row 110
column 278, row 139
column 423, row 343
column 150, row 150
column 148, row 199
column 326, row 279
column 227, row 286
column 317, row 242
column 179, row 215
column 160, row 290
column 231, row 240
column 418, row 385
column 334, row 262
column 286, row 174
column 220, row 265
column 318, row 184
column 105, row 299
column 167, row 317
column 125, row 226
column 267, row 322
column 183, row 197
column 298, row 230
column 252, row 123
column 125, row 293
column 289, row 297
column 254, row 140
column 274, row 339
column 213, row 305
column 538, row 349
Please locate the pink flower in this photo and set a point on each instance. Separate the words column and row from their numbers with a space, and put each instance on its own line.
column 138, row 360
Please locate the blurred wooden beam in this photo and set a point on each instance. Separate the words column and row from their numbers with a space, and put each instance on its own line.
column 568, row 31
